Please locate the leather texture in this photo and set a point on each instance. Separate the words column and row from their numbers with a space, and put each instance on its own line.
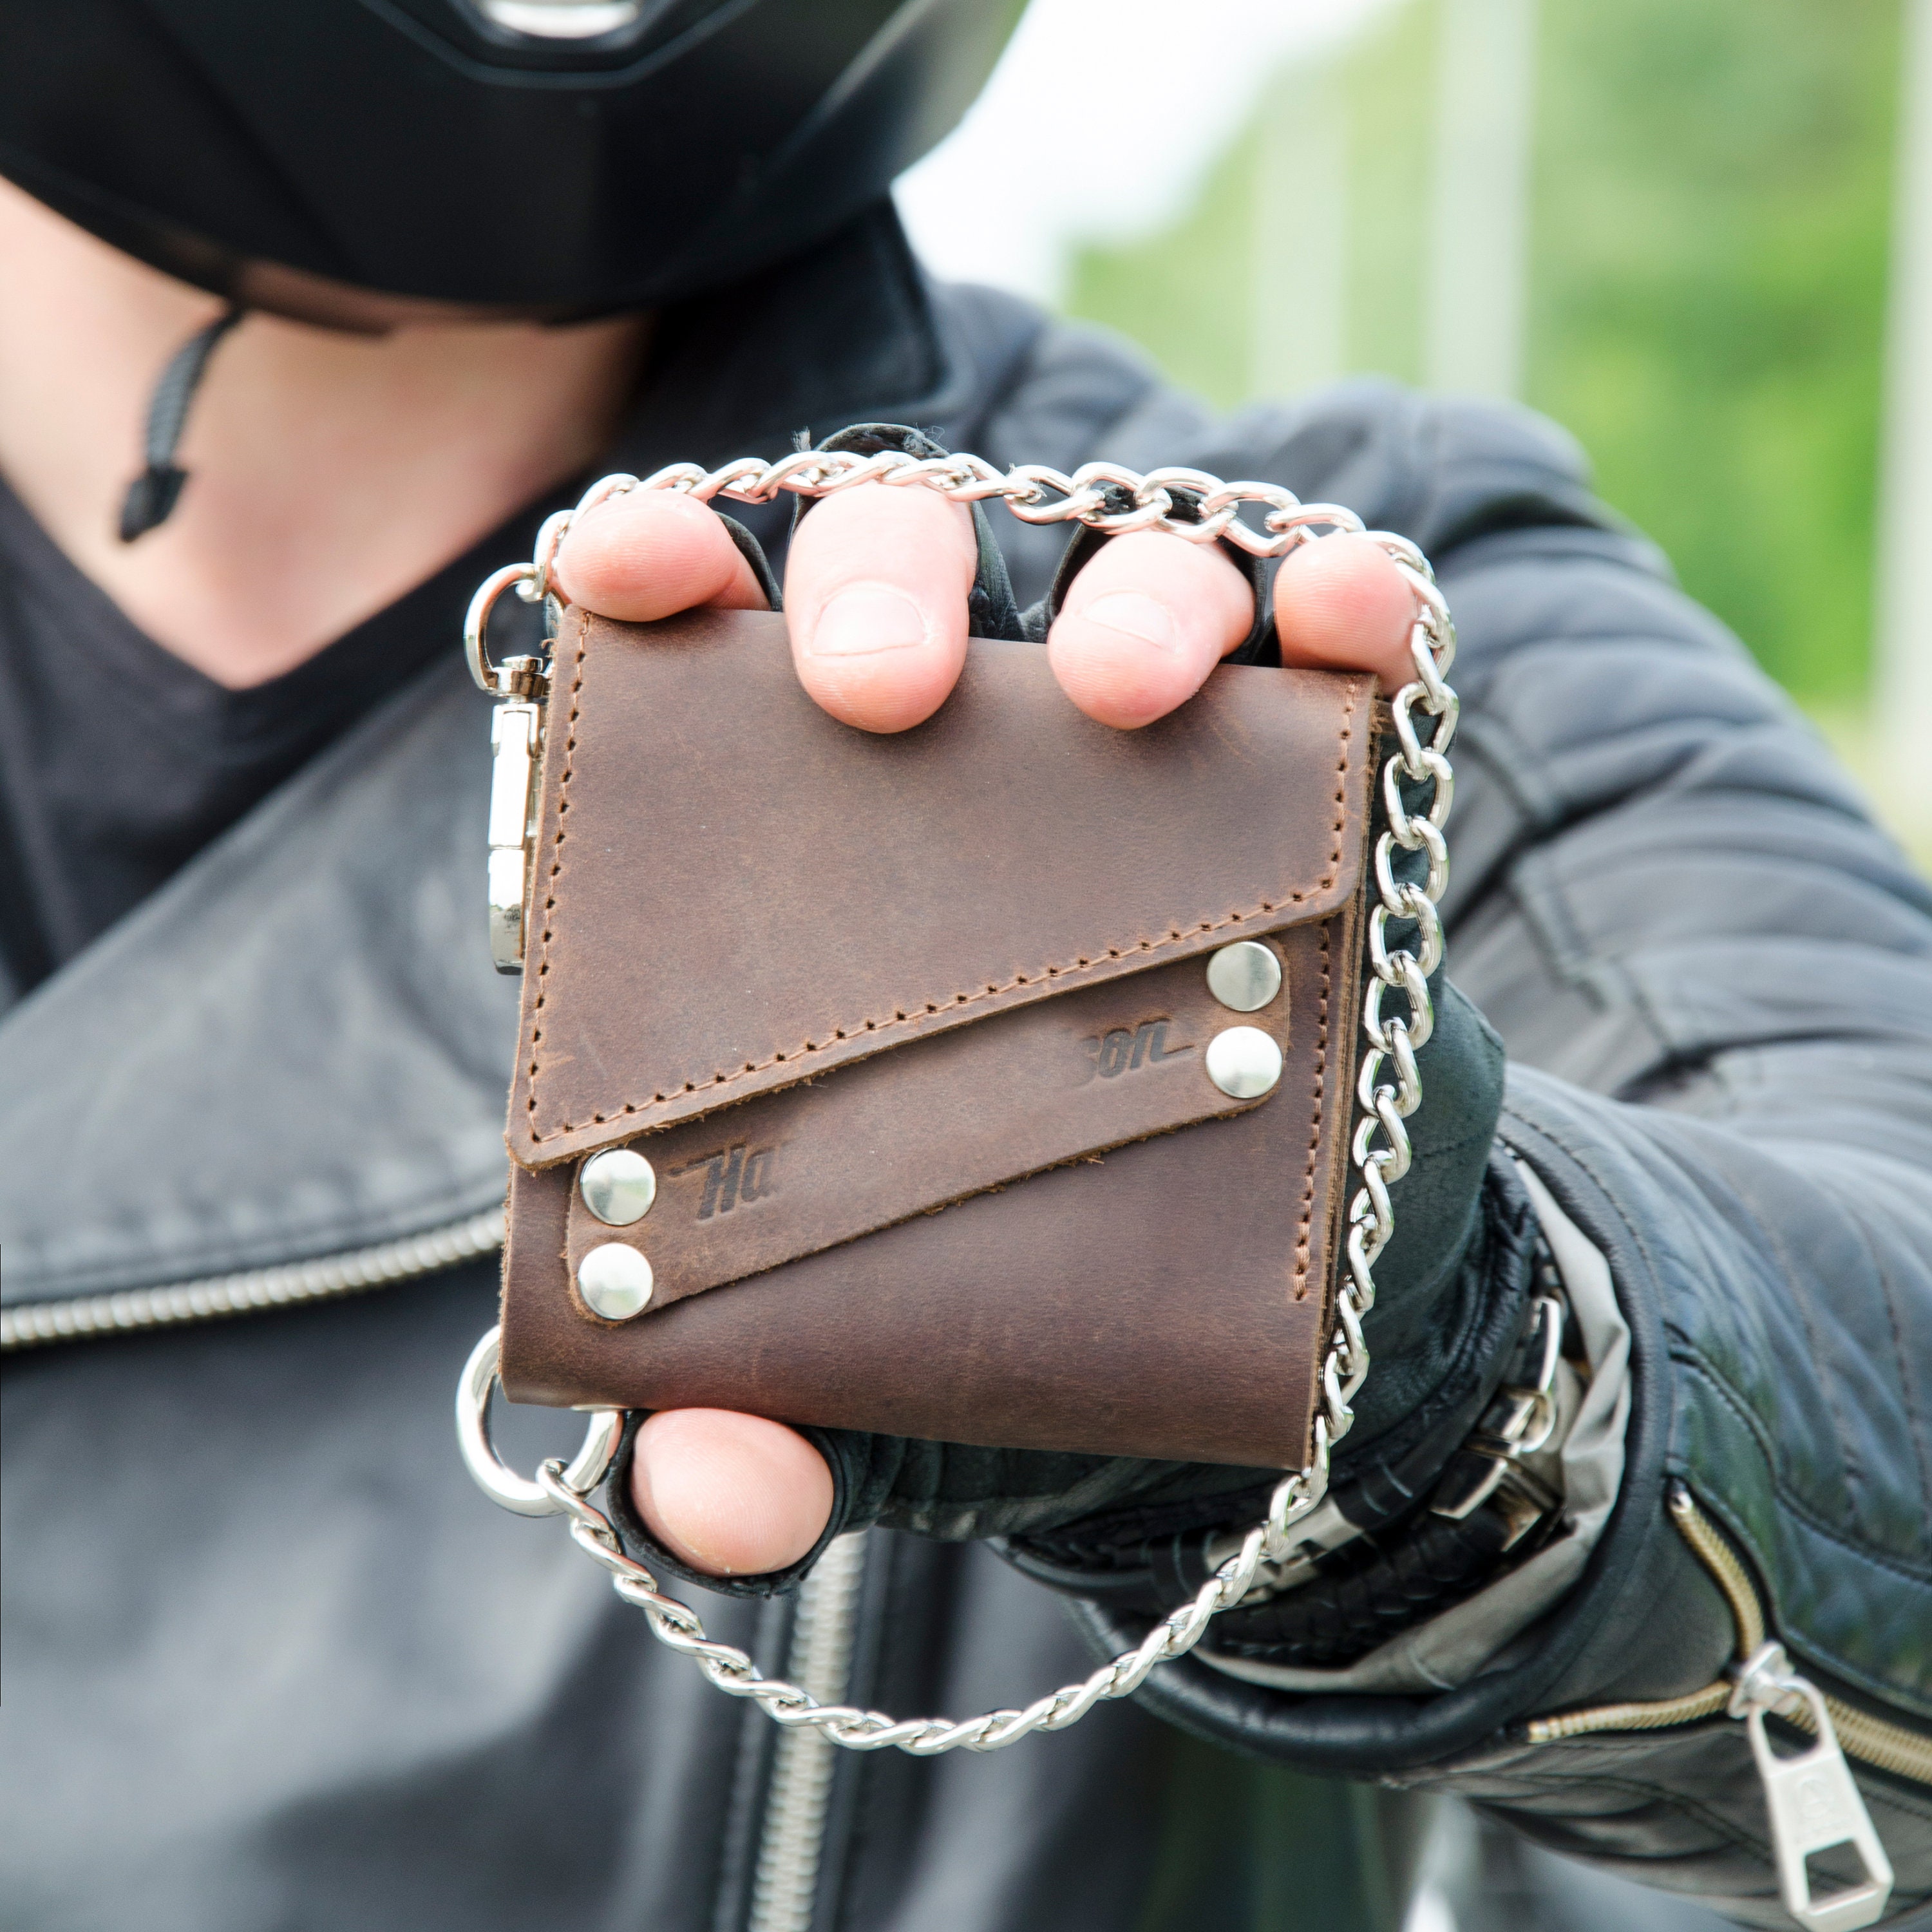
column 734, row 892
column 924, row 1083
column 937, row 1120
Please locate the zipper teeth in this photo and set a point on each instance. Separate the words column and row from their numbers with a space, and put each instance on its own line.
column 1890, row 1747
column 1721, row 1560
column 1705, row 1703
column 289, row 1284
column 784, row 1888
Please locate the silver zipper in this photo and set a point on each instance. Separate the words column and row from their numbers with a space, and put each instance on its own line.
column 785, row 1886
column 1812, row 1799
column 288, row 1284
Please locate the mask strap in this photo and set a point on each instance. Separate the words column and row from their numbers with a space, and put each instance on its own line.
column 152, row 495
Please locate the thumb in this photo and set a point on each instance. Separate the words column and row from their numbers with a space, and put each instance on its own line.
column 731, row 1495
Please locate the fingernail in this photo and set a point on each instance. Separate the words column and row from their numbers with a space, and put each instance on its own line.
column 1137, row 615
column 867, row 617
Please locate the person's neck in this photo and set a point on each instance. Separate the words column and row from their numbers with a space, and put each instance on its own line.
column 328, row 472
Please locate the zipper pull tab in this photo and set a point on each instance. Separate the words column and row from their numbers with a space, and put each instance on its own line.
column 1813, row 1801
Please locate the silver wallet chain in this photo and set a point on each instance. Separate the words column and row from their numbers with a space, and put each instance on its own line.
column 1105, row 497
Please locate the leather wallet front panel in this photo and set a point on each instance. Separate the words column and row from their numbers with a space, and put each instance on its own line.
column 734, row 892
column 942, row 1117
column 1169, row 1299
column 919, row 1020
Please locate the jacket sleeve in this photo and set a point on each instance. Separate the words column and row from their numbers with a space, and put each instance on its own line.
column 1714, row 975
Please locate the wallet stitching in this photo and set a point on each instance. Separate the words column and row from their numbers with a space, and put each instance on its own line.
column 583, row 1231
column 901, row 1017
column 1303, row 1234
column 556, row 866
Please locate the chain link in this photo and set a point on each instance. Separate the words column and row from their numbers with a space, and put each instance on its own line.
column 1103, row 495
column 1417, row 785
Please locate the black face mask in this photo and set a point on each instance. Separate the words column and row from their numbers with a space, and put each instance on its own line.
column 557, row 158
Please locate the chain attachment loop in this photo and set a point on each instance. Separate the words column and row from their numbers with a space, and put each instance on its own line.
column 501, row 1484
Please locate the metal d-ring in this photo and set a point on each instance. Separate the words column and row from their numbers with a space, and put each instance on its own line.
column 501, row 1483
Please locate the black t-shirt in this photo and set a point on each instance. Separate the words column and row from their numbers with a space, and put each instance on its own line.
column 119, row 762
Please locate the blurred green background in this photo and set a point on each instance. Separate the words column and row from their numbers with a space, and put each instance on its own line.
column 1709, row 212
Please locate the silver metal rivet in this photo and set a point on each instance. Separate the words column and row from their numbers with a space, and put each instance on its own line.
column 615, row 1281
column 1245, row 976
column 618, row 1186
column 1243, row 1062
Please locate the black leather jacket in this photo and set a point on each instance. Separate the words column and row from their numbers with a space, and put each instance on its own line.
column 270, row 1660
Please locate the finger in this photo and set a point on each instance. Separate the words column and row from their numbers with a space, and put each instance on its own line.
column 732, row 1495
column 649, row 554
column 1144, row 623
column 1340, row 603
column 875, row 588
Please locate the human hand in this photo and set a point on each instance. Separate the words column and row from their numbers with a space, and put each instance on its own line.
column 876, row 590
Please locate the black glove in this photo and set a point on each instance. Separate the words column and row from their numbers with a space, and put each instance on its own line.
column 1441, row 1319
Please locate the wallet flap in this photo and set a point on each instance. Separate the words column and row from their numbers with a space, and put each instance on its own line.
column 1167, row 1299
column 938, row 1121
column 734, row 892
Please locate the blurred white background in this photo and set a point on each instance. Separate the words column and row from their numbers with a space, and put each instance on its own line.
column 1100, row 125
column 1697, row 232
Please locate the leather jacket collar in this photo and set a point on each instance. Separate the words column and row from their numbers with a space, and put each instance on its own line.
column 298, row 1047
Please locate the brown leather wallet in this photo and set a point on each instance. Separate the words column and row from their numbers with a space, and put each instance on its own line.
column 948, row 1055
